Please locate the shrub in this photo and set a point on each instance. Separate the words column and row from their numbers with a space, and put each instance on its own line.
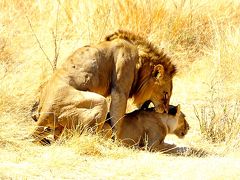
column 221, row 126
column 219, row 119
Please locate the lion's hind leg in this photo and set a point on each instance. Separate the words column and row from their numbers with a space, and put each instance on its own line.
column 39, row 135
column 57, row 132
column 74, row 109
column 46, row 124
column 84, row 110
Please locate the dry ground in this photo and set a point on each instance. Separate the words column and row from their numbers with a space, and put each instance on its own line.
column 202, row 37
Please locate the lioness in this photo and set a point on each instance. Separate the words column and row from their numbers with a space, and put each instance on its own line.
column 124, row 65
column 147, row 127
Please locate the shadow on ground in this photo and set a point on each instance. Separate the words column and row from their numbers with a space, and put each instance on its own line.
column 188, row 152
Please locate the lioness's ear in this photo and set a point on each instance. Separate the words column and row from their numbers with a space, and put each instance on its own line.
column 178, row 110
column 158, row 71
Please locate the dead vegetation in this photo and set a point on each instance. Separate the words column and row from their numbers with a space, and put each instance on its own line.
column 202, row 37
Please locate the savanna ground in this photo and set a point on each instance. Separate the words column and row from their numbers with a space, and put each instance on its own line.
column 203, row 39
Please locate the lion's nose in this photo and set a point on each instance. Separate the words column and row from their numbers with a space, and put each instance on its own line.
column 183, row 134
column 166, row 107
column 165, row 102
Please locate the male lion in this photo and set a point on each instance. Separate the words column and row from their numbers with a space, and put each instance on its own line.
column 124, row 65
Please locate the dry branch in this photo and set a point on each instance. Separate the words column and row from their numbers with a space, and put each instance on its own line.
column 40, row 46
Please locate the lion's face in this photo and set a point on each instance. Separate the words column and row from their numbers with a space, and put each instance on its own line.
column 183, row 127
column 154, row 85
column 161, row 94
column 162, row 89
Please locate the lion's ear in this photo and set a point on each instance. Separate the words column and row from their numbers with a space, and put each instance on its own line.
column 158, row 71
column 178, row 110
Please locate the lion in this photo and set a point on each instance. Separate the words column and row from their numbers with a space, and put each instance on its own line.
column 146, row 127
column 123, row 66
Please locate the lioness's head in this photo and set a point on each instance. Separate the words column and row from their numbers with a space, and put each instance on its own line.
column 183, row 126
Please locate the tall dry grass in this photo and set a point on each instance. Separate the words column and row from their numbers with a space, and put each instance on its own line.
column 203, row 39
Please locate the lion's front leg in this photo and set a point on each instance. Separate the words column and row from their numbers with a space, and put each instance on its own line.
column 117, row 108
column 122, row 81
column 156, row 138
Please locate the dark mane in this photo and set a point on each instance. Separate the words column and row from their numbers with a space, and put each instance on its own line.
column 147, row 51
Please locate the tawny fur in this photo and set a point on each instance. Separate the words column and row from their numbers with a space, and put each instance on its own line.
column 121, row 68
column 149, row 128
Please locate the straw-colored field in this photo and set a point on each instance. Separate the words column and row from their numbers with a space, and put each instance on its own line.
column 203, row 39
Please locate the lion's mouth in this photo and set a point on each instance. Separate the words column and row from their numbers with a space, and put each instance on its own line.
column 161, row 108
column 182, row 135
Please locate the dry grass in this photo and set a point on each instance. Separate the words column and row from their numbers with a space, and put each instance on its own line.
column 203, row 38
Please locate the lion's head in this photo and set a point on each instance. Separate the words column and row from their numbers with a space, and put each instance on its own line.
column 154, row 84
column 154, row 79
column 183, row 126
